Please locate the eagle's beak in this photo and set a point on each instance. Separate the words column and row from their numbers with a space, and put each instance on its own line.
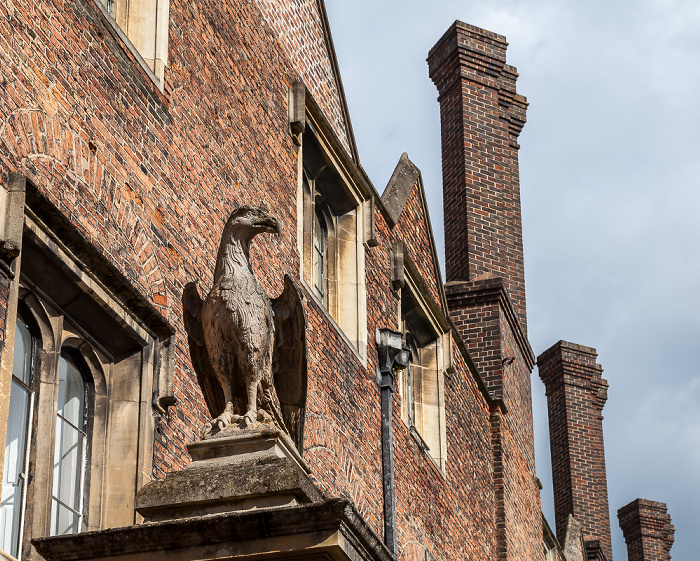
column 269, row 225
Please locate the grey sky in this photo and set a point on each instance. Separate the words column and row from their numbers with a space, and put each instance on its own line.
column 610, row 162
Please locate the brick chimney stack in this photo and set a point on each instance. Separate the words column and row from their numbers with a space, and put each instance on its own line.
column 481, row 116
column 576, row 394
column 648, row 531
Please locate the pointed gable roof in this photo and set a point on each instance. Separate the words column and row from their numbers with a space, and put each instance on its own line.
column 406, row 184
column 303, row 30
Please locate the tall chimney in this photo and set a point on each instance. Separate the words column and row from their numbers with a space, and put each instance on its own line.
column 481, row 117
column 576, row 394
column 648, row 531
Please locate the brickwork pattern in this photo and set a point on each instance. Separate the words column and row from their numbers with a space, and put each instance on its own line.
column 481, row 116
column 648, row 531
column 149, row 179
column 413, row 229
column 576, row 394
column 298, row 26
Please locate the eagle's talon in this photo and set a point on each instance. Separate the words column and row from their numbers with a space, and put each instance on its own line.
column 222, row 421
column 249, row 418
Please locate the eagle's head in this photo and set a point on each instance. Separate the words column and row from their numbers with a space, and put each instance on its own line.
column 246, row 222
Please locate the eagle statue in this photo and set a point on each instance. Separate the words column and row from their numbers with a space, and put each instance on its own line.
column 249, row 352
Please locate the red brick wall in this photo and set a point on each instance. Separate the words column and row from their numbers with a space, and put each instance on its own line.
column 576, row 394
column 149, row 179
column 648, row 531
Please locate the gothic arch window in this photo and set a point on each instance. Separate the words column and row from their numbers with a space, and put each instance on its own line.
column 19, row 425
column 70, row 447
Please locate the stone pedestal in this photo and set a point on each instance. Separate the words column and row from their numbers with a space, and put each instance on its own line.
column 246, row 495
column 236, row 470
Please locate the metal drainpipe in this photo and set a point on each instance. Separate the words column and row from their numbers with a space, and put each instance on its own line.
column 386, row 388
column 391, row 357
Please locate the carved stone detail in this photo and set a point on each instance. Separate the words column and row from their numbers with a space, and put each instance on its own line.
column 249, row 353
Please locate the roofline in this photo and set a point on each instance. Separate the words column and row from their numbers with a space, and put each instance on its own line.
column 339, row 82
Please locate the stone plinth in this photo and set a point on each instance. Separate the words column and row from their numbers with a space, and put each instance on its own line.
column 246, row 495
column 328, row 531
column 238, row 469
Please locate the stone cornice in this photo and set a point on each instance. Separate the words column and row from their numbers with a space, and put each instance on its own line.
column 300, row 529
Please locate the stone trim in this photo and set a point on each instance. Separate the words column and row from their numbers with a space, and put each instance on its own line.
column 11, row 219
column 333, row 528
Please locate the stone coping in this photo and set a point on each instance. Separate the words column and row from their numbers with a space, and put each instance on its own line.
column 332, row 530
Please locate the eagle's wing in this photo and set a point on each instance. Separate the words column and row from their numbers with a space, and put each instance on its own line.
column 192, row 315
column 289, row 359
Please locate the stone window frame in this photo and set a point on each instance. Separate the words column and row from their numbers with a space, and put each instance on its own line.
column 20, row 486
column 128, row 391
column 329, row 183
column 427, row 430
column 79, row 470
column 54, row 336
column 143, row 27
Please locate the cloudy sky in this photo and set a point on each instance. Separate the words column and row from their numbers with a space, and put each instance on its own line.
column 610, row 162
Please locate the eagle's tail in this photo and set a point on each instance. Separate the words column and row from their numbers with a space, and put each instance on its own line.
column 267, row 402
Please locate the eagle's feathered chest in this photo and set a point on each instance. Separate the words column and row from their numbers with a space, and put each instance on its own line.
column 238, row 312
